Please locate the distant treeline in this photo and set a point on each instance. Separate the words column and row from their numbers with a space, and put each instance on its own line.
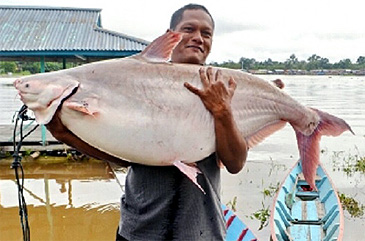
column 314, row 62
column 31, row 67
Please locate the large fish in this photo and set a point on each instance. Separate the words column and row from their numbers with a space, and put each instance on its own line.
column 137, row 109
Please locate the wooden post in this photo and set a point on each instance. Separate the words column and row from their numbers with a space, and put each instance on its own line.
column 43, row 128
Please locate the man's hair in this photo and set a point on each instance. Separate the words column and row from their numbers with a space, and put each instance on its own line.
column 178, row 14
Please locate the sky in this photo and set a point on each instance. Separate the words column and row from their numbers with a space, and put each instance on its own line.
column 259, row 29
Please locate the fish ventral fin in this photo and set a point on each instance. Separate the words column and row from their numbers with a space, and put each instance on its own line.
column 308, row 146
column 191, row 171
column 160, row 49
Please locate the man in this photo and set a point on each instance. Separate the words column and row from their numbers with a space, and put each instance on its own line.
column 161, row 203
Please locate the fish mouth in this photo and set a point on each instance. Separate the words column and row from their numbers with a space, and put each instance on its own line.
column 196, row 47
column 24, row 96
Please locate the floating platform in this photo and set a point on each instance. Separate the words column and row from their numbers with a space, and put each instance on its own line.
column 33, row 142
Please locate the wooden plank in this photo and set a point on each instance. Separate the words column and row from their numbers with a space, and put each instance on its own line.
column 312, row 214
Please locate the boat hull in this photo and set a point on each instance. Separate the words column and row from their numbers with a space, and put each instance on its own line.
column 301, row 213
column 236, row 229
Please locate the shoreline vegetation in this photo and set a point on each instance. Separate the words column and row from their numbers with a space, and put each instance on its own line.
column 314, row 65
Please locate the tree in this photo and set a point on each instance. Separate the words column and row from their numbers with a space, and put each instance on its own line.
column 32, row 67
column 313, row 58
column 8, row 67
column 360, row 60
column 317, row 62
column 323, row 63
column 247, row 63
column 291, row 62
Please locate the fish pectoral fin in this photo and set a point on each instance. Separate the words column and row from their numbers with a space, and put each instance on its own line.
column 160, row 49
column 191, row 171
column 82, row 107
column 264, row 132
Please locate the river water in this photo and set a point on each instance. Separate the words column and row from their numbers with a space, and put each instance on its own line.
column 269, row 162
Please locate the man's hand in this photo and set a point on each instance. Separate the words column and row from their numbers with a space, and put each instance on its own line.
column 215, row 95
column 231, row 147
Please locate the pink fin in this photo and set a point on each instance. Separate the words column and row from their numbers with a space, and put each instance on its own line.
column 160, row 49
column 266, row 131
column 329, row 125
column 81, row 107
column 190, row 171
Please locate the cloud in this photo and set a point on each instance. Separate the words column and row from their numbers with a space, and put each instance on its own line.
column 340, row 36
column 224, row 26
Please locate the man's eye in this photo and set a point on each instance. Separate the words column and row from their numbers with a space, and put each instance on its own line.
column 188, row 29
column 206, row 34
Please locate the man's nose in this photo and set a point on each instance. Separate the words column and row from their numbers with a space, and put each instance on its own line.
column 198, row 37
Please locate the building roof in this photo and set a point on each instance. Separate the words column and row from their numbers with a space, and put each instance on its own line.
column 61, row 31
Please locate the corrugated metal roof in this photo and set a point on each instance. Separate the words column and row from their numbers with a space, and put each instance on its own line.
column 25, row 28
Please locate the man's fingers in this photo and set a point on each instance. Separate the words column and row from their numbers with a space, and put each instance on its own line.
column 232, row 84
column 210, row 74
column 203, row 77
column 192, row 89
column 218, row 75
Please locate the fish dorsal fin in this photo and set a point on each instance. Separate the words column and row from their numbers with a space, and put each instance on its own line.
column 160, row 49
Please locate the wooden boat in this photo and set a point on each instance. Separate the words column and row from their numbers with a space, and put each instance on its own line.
column 236, row 229
column 299, row 213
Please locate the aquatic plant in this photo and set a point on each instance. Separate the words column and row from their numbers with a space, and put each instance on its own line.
column 262, row 215
column 353, row 207
column 271, row 190
column 233, row 204
column 276, row 167
column 348, row 164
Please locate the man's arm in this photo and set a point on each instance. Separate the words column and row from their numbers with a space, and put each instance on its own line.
column 63, row 134
column 231, row 147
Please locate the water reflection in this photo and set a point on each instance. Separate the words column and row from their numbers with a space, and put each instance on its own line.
column 66, row 201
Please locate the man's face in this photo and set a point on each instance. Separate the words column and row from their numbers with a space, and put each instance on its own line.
column 196, row 43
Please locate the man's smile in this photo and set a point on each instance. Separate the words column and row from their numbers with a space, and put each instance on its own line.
column 196, row 47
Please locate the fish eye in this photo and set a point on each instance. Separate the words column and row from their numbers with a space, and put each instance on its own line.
column 26, row 85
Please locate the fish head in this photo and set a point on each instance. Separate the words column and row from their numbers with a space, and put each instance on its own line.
column 43, row 94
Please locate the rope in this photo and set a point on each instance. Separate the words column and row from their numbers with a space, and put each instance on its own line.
column 17, row 166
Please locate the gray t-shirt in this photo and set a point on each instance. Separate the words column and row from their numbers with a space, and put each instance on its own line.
column 161, row 203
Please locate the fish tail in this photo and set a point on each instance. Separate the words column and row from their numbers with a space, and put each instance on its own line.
column 308, row 146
